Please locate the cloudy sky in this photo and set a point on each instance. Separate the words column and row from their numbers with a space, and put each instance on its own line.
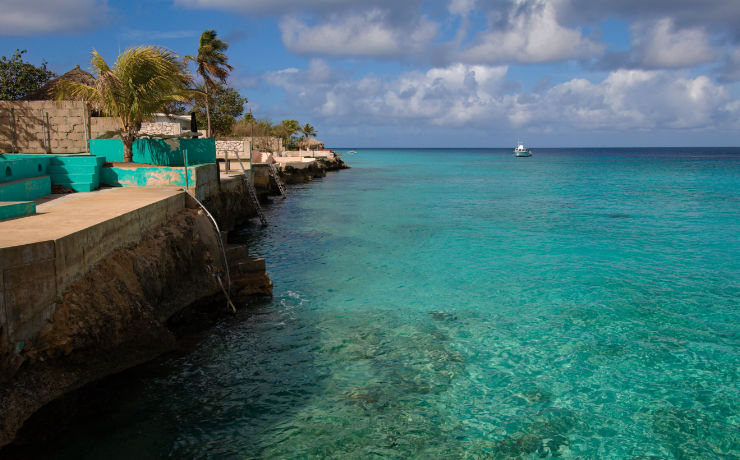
column 462, row 73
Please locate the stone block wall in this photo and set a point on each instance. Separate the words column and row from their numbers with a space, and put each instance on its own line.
column 104, row 128
column 161, row 129
column 228, row 149
column 43, row 127
column 267, row 144
column 109, row 128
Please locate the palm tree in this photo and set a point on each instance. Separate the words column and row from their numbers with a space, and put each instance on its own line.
column 286, row 129
column 308, row 130
column 212, row 65
column 141, row 83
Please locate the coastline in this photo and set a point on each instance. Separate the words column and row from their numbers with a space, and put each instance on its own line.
column 119, row 311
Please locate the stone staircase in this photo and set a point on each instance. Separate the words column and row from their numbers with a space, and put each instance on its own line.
column 24, row 178
column 79, row 173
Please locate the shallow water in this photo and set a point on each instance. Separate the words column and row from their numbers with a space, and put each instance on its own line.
column 467, row 304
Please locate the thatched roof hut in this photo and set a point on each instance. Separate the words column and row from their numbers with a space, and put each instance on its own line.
column 310, row 143
column 46, row 92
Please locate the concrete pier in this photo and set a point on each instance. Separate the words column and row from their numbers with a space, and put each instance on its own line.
column 41, row 254
column 89, row 284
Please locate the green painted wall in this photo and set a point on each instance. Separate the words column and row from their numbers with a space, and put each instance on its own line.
column 14, row 167
column 161, row 152
column 146, row 176
column 25, row 189
column 8, row 210
column 80, row 173
column 202, row 179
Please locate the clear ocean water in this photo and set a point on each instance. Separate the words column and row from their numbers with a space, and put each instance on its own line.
column 581, row 303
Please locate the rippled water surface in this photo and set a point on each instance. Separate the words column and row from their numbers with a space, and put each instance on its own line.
column 469, row 304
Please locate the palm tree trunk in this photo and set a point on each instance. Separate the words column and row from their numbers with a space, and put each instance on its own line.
column 128, row 139
column 208, row 111
column 128, row 151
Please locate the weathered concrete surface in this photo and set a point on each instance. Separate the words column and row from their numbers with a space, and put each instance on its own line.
column 110, row 309
column 202, row 180
column 88, row 287
column 42, row 254
column 248, row 275
column 230, row 207
column 113, row 317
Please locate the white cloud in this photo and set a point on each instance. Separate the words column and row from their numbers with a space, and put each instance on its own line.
column 279, row 6
column 451, row 95
column 366, row 34
column 461, row 7
column 631, row 100
column 660, row 45
column 531, row 33
column 31, row 17
column 478, row 96
column 721, row 15
column 667, row 34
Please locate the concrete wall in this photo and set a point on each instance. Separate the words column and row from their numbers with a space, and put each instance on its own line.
column 164, row 152
column 14, row 167
column 105, row 128
column 108, row 127
column 228, row 150
column 33, row 276
column 25, row 189
column 160, row 129
column 202, row 179
column 43, row 127
column 268, row 144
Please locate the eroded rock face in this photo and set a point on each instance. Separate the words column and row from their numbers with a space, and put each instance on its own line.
column 316, row 169
column 248, row 274
column 115, row 317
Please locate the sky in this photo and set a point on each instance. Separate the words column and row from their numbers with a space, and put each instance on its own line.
column 437, row 73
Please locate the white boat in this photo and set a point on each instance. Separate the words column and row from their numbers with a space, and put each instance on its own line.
column 521, row 150
column 352, row 152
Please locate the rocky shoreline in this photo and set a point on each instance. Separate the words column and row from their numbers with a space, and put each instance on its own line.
column 123, row 312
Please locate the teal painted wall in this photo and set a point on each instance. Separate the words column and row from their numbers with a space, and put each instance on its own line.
column 202, row 179
column 110, row 149
column 17, row 209
column 146, row 176
column 25, row 189
column 80, row 173
column 14, row 167
column 161, row 152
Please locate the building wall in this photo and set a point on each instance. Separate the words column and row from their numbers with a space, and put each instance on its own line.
column 104, row 128
column 268, row 144
column 165, row 152
column 161, row 129
column 229, row 149
column 108, row 127
column 43, row 127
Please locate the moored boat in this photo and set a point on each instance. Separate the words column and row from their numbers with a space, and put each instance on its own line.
column 521, row 150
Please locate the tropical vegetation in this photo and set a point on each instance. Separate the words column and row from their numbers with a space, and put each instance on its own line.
column 18, row 78
column 308, row 130
column 142, row 82
column 212, row 66
column 226, row 107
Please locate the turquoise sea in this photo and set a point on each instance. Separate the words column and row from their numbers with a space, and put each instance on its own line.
column 581, row 303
